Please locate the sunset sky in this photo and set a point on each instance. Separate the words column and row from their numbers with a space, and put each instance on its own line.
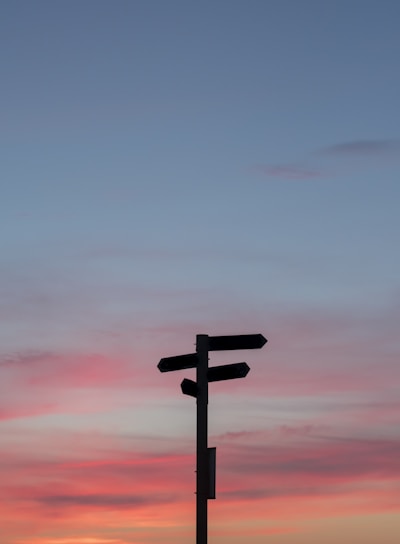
column 178, row 167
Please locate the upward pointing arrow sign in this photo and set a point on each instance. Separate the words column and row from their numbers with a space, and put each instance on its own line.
column 240, row 341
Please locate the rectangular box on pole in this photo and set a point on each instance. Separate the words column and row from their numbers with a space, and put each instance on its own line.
column 211, row 472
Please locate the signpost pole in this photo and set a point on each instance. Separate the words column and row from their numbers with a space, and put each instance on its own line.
column 202, row 476
column 205, row 457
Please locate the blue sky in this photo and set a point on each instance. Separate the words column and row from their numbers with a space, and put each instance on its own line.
column 170, row 168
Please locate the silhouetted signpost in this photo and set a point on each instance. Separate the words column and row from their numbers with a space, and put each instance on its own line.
column 205, row 456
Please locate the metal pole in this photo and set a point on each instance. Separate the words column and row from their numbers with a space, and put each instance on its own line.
column 202, row 479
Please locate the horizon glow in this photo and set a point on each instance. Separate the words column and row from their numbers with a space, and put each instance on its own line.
column 171, row 169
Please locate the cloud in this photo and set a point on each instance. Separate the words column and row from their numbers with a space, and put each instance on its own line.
column 66, row 370
column 334, row 474
column 320, row 461
column 385, row 148
column 77, row 540
column 50, row 382
column 311, row 354
column 105, row 500
column 27, row 410
column 25, row 358
column 289, row 172
column 73, row 540
column 363, row 148
column 76, row 475
column 256, row 472
column 294, row 463
column 282, row 432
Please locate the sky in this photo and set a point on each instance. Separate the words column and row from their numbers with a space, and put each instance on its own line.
column 173, row 168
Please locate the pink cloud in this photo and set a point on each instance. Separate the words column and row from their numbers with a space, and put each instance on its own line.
column 273, row 470
column 50, row 382
column 12, row 411
column 301, row 462
column 64, row 497
column 309, row 354
column 320, row 462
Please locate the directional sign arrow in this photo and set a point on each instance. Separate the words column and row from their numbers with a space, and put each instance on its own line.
column 178, row 362
column 240, row 341
column 189, row 387
column 227, row 372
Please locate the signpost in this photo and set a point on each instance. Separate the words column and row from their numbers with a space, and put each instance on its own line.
column 205, row 456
